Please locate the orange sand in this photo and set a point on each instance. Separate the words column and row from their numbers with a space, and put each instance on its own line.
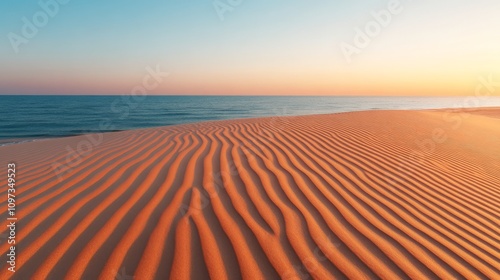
column 365, row 195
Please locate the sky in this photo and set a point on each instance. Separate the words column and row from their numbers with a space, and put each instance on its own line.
column 249, row 47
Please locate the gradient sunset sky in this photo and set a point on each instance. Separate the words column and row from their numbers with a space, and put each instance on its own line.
column 288, row 47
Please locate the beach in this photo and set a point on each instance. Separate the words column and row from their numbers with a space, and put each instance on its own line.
column 382, row 194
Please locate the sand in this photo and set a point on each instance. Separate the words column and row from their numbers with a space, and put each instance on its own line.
column 362, row 195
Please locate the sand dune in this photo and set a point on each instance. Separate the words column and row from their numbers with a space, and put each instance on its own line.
column 363, row 195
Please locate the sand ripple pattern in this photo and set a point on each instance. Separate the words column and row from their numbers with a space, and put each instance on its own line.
column 365, row 195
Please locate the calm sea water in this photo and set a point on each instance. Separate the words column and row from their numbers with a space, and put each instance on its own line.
column 55, row 116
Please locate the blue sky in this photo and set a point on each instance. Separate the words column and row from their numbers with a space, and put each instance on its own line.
column 261, row 47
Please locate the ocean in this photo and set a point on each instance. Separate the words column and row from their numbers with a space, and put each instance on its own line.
column 27, row 117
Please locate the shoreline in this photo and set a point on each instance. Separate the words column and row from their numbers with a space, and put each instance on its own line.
column 15, row 141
